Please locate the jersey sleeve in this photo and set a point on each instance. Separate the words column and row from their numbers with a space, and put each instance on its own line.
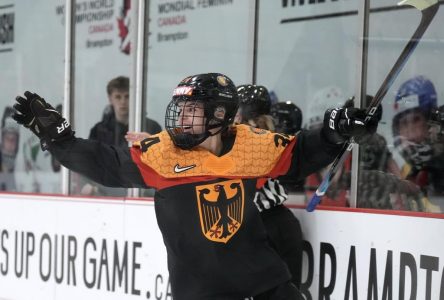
column 311, row 153
column 105, row 164
column 283, row 164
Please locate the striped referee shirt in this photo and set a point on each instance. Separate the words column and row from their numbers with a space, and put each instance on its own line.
column 270, row 195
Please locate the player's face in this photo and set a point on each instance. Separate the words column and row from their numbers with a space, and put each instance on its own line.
column 119, row 100
column 413, row 127
column 191, row 117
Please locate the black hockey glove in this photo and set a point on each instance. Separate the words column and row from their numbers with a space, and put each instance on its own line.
column 42, row 119
column 340, row 124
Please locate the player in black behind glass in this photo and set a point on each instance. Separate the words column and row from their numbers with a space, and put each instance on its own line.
column 200, row 159
column 282, row 227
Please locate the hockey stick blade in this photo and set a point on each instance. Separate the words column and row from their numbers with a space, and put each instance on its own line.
column 419, row 4
column 428, row 10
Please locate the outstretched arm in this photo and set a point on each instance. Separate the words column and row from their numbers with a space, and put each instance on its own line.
column 105, row 164
column 108, row 165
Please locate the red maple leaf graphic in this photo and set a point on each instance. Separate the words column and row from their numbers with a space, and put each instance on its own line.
column 123, row 29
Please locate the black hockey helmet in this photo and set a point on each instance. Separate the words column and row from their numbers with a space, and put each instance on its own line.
column 254, row 100
column 287, row 117
column 218, row 97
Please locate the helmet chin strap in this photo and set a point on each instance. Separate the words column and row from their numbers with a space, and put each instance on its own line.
column 187, row 141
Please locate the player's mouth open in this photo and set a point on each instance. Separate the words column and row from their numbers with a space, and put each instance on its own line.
column 187, row 128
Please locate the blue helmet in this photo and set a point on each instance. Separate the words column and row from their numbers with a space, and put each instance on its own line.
column 416, row 94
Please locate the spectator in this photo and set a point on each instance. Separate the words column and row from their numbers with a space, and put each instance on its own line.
column 113, row 128
column 10, row 136
column 114, row 125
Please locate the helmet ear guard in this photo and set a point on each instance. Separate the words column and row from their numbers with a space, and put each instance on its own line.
column 217, row 94
column 216, row 118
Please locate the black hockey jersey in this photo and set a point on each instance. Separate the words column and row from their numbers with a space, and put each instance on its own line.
column 217, row 247
column 216, row 243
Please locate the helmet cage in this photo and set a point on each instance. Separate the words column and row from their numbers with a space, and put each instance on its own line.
column 184, row 135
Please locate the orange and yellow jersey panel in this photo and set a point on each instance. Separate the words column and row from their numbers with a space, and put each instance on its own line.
column 255, row 153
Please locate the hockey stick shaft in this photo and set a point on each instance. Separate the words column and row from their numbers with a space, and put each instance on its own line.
column 427, row 17
column 428, row 10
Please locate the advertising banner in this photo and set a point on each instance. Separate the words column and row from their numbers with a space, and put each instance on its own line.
column 79, row 248
column 357, row 255
column 63, row 248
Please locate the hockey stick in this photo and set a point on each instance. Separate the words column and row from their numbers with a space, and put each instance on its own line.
column 428, row 10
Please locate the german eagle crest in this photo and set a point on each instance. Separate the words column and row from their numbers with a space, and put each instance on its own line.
column 221, row 209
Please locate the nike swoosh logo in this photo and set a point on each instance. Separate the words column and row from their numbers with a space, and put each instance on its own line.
column 179, row 169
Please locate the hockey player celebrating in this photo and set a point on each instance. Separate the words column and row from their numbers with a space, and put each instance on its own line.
column 205, row 173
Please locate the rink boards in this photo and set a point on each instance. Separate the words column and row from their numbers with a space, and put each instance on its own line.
column 82, row 248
